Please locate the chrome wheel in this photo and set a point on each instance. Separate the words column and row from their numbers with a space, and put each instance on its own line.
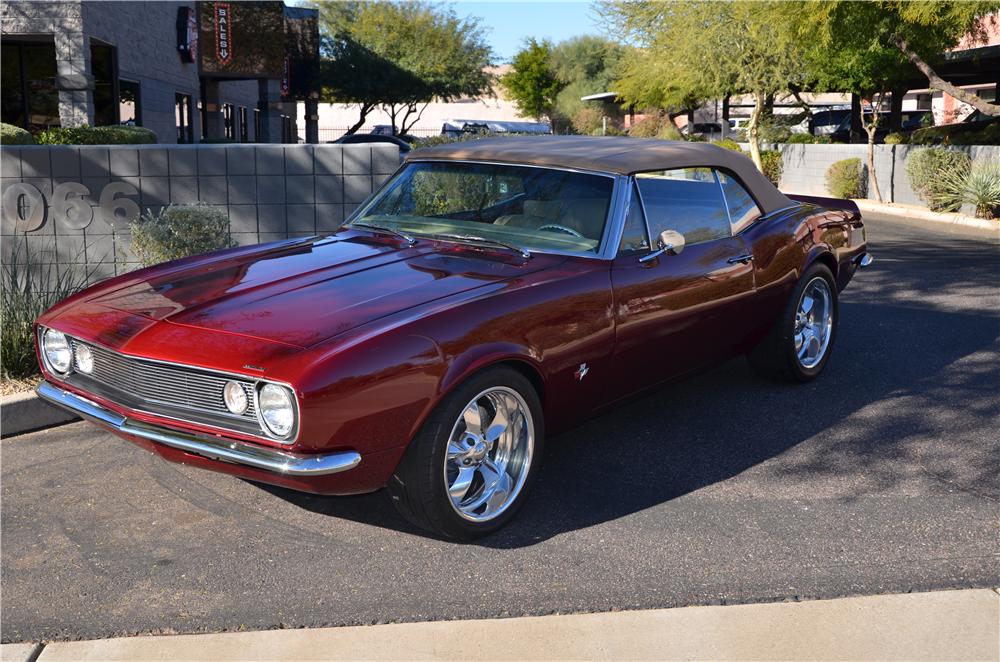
column 814, row 323
column 489, row 454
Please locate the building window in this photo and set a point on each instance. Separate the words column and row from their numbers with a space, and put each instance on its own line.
column 129, row 102
column 229, row 121
column 923, row 102
column 103, row 66
column 28, row 94
column 244, row 136
column 182, row 112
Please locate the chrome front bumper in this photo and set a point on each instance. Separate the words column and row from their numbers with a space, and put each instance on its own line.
column 225, row 450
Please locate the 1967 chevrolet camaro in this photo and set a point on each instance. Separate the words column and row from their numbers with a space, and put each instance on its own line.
column 487, row 295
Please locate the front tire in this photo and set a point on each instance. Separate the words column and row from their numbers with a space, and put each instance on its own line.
column 799, row 344
column 470, row 468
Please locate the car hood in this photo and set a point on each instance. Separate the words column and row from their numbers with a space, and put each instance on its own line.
column 302, row 293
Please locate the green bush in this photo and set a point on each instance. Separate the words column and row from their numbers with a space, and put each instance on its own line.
column 897, row 138
column 14, row 135
column 801, row 139
column 726, row 143
column 927, row 167
column 846, row 179
column 179, row 231
column 27, row 289
column 97, row 135
column 980, row 187
column 772, row 164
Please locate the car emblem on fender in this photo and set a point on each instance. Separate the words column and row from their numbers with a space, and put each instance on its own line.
column 581, row 372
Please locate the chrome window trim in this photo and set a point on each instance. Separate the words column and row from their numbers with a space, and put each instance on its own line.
column 613, row 218
column 257, row 381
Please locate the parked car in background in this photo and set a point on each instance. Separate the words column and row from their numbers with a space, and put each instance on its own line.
column 910, row 120
column 826, row 121
column 457, row 128
column 361, row 138
column 491, row 293
column 706, row 129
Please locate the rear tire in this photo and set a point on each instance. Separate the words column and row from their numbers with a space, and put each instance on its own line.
column 798, row 346
column 471, row 466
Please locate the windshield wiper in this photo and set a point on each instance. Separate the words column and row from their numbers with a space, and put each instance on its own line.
column 524, row 252
column 378, row 228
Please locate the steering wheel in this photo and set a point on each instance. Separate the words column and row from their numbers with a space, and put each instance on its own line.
column 561, row 228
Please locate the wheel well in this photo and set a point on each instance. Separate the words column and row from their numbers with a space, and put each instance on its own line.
column 529, row 372
column 828, row 260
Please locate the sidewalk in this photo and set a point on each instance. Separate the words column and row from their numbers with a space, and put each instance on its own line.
column 901, row 211
column 943, row 625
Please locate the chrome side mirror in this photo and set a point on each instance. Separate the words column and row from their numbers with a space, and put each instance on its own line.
column 670, row 242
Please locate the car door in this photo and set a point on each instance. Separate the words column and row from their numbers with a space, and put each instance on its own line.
column 677, row 312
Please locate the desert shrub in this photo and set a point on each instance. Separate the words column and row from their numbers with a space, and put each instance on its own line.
column 846, row 179
column 655, row 125
column 179, row 231
column 772, row 165
column 97, row 135
column 979, row 187
column 14, row 135
column 926, row 167
column 588, row 121
column 897, row 138
column 726, row 143
column 28, row 287
column 669, row 131
column 696, row 138
column 647, row 127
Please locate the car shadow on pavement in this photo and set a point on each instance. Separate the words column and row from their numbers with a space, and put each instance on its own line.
column 695, row 433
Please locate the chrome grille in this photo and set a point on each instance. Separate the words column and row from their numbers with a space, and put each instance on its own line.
column 167, row 385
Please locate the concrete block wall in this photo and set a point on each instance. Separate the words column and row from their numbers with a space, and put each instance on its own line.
column 805, row 167
column 269, row 192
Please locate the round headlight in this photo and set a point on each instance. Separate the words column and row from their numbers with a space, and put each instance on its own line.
column 276, row 409
column 57, row 352
column 235, row 397
column 84, row 359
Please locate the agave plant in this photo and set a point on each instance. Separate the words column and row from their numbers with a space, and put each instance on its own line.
column 980, row 187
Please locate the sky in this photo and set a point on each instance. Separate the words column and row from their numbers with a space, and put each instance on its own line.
column 510, row 23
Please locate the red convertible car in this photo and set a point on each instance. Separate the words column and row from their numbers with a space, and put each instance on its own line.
column 490, row 293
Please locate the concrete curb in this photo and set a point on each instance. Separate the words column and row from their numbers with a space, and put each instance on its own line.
column 910, row 211
column 26, row 412
column 940, row 625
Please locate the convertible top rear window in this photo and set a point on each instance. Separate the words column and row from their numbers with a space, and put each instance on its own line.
column 536, row 208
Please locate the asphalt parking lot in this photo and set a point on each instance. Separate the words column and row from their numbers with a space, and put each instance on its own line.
column 882, row 476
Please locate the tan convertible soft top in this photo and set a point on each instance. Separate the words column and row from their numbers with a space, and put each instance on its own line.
column 622, row 156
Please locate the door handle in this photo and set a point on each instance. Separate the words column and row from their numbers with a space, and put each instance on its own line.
column 742, row 259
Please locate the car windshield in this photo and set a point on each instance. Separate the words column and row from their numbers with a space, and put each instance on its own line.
column 536, row 209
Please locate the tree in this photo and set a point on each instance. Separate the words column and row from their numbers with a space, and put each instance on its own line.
column 585, row 65
column 401, row 56
column 531, row 83
column 691, row 50
column 856, row 48
column 923, row 31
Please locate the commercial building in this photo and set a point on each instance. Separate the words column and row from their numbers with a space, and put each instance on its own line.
column 190, row 72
